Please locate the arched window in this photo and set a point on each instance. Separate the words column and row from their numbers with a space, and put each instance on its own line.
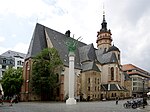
column 112, row 73
column 117, row 73
column 27, row 71
column 118, row 56
column 88, row 80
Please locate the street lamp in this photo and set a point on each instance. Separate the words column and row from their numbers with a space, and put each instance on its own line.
column 143, row 93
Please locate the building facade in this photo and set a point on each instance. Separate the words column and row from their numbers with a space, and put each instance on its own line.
column 138, row 77
column 98, row 72
column 5, row 63
column 10, row 59
column 19, row 57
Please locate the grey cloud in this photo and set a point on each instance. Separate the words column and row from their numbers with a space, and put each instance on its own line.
column 129, row 22
column 135, row 9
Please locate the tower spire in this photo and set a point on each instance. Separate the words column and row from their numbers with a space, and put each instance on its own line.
column 104, row 36
column 103, row 13
column 104, row 23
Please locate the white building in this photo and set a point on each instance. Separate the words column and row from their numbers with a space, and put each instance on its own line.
column 19, row 57
column 10, row 59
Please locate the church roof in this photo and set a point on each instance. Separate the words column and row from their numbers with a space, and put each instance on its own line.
column 104, row 26
column 113, row 48
column 83, row 53
column 105, row 58
column 89, row 66
column 38, row 43
column 87, row 53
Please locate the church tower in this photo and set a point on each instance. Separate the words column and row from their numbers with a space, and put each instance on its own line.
column 104, row 36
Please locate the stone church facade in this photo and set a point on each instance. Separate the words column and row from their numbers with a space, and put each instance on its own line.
column 98, row 74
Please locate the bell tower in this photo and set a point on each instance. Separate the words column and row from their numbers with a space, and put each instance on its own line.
column 104, row 36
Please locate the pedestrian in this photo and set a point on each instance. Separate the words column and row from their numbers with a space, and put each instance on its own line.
column 117, row 100
column 13, row 99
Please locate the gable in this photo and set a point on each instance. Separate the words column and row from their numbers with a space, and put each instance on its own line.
column 105, row 58
column 87, row 53
column 58, row 40
column 88, row 66
column 38, row 41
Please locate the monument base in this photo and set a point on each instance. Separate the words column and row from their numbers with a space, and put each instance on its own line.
column 70, row 101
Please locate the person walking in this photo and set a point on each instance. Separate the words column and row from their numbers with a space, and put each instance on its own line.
column 14, row 99
column 117, row 100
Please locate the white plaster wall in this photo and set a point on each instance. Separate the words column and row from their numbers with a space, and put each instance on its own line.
column 104, row 78
column 16, row 60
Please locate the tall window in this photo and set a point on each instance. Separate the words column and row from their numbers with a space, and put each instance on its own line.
column 27, row 77
column 3, row 66
column 88, row 88
column 95, row 88
column 98, row 80
column 112, row 73
column 118, row 56
column 19, row 63
column 117, row 78
column 89, row 80
column 95, row 80
column 4, row 61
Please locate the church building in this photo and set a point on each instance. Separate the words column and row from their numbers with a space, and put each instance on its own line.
column 98, row 74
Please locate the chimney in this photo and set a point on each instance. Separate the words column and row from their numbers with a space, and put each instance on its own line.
column 68, row 33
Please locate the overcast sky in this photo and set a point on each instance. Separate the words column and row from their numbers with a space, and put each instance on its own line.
column 128, row 20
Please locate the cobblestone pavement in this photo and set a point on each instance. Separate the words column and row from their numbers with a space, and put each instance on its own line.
column 106, row 106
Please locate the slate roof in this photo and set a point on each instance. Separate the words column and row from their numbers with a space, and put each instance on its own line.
column 38, row 41
column 105, row 58
column 87, row 53
column 14, row 54
column 113, row 48
column 8, row 60
column 112, row 87
column 87, row 66
column 59, row 42
column 83, row 53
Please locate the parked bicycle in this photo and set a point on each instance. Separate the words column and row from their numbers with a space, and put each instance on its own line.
column 133, row 104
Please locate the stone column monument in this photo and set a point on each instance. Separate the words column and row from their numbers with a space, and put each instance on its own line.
column 71, row 48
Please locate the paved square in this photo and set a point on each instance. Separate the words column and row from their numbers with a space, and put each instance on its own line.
column 99, row 106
